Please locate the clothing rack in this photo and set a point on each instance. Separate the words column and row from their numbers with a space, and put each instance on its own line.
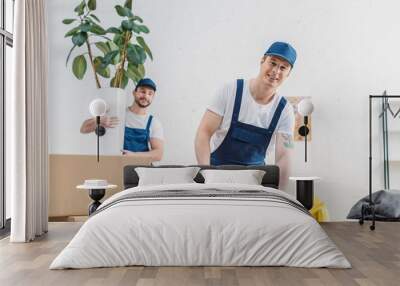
column 385, row 137
column 369, row 209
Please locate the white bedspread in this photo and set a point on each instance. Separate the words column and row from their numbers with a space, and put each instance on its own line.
column 200, row 231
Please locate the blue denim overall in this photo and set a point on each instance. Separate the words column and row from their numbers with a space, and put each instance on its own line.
column 245, row 144
column 136, row 139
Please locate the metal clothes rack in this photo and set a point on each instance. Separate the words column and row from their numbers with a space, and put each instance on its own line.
column 369, row 209
column 385, row 137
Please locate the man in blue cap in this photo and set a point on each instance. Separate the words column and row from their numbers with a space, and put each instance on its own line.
column 143, row 134
column 247, row 115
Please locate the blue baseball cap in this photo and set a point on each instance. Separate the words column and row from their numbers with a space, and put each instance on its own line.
column 147, row 83
column 282, row 50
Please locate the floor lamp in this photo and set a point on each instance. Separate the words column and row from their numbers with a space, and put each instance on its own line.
column 369, row 209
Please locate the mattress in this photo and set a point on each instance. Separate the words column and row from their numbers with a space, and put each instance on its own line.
column 201, row 225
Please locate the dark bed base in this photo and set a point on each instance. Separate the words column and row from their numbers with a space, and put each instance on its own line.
column 270, row 179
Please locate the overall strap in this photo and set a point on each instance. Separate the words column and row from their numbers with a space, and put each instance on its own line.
column 277, row 114
column 238, row 100
column 149, row 123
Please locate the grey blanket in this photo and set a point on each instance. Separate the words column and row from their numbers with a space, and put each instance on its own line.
column 205, row 194
column 387, row 206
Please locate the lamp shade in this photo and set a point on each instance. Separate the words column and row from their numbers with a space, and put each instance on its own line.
column 305, row 107
column 98, row 107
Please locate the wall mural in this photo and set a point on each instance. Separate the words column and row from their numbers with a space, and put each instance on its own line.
column 111, row 59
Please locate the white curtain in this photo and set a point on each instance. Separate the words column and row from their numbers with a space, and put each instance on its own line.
column 26, row 137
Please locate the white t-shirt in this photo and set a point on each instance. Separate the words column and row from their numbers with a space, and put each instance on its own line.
column 133, row 120
column 251, row 112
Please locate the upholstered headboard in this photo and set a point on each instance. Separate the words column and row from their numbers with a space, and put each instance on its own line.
column 270, row 179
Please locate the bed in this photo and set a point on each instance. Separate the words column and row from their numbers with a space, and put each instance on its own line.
column 201, row 224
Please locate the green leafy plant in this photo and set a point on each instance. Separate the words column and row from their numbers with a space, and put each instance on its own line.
column 126, row 52
column 87, row 28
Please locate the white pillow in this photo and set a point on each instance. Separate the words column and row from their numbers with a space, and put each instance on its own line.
column 163, row 176
column 248, row 177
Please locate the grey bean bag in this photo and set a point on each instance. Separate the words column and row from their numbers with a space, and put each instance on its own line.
column 387, row 206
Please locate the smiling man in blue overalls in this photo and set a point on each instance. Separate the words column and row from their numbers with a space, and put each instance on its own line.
column 143, row 132
column 247, row 116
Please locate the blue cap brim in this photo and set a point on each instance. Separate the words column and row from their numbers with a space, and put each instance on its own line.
column 279, row 56
column 148, row 85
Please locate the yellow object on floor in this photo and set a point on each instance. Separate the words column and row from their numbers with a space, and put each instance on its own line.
column 319, row 210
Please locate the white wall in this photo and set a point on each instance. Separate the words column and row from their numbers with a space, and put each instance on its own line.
column 346, row 51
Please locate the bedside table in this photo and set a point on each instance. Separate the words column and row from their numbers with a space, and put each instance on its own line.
column 96, row 193
column 305, row 190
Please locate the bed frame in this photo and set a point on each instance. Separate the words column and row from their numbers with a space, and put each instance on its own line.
column 270, row 179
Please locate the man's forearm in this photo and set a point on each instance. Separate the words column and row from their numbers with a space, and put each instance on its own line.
column 284, row 171
column 202, row 146
column 153, row 155
column 283, row 154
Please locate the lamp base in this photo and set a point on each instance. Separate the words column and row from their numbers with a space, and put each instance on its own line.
column 96, row 195
column 100, row 130
column 305, row 193
column 304, row 130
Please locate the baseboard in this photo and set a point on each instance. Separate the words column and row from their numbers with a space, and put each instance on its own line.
column 68, row 219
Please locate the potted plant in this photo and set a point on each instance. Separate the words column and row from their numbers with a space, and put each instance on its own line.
column 127, row 51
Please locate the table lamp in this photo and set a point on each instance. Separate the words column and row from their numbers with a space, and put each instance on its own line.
column 305, row 108
column 97, row 108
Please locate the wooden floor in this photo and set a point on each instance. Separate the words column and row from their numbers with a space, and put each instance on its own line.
column 375, row 257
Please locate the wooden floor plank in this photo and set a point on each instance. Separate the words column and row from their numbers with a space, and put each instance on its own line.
column 375, row 257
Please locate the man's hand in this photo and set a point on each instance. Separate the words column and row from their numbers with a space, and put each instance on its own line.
column 108, row 121
column 126, row 152
column 283, row 153
column 89, row 125
column 208, row 125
